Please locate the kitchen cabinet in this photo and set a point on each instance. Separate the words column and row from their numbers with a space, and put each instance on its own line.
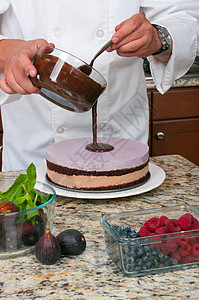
column 174, row 124
column 149, row 141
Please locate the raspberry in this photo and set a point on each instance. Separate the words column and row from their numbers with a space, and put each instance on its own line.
column 194, row 224
column 161, row 221
column 176, row 255
column 196, row 233
column 192, row 240
column 155, row 243
column 152, row 224
column 184, row 250
column 187, row 259
column 169, row 247
column 164, row 249
column 146, row 223
column 172, row 225
column 182, row 241
column 144, row 231
column 161, row 230
column 195, row 249
column 187, row 221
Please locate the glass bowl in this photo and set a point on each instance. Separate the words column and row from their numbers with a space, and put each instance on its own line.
column 137, row 256
column 63, row 81
column 20, row 231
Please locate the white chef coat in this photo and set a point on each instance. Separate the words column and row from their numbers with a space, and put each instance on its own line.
column 31, row 123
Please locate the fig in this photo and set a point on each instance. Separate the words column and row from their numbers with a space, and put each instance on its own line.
column 10, row 240
column 13, row 237
column 42, row 217
column 38, row 231
column 24, row 230
column 48, row 250
column 72, row 242
column 7, row 207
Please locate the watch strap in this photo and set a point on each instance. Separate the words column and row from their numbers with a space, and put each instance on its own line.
column 164, row 46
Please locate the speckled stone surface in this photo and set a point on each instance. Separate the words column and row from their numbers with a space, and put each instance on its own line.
column 185, row 81
column 92, row 275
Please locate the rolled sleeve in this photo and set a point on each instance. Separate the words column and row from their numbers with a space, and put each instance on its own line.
column 180, row 18
column 6, row 98
column 4, row 5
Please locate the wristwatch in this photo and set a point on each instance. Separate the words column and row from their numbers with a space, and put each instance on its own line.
column 165, row 38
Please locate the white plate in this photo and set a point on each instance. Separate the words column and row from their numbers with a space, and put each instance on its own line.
column 156, row 179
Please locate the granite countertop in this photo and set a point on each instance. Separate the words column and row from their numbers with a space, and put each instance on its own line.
column 190, row 80
column 92, row 275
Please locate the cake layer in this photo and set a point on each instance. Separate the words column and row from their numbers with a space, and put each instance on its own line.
column 72, row 154
column 70, row 165
column 103, row 182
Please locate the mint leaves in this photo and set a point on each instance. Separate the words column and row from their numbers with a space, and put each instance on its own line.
column 22, row 193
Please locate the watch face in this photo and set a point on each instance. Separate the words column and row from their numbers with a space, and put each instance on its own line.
column 168, row 39
column 165, row 37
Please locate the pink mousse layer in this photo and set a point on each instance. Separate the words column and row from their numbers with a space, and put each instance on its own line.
column 72, row 154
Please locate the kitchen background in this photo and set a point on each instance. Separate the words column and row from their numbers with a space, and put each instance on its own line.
column 174, row 116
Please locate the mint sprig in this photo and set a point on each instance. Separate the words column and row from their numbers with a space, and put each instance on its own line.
column 22, row 192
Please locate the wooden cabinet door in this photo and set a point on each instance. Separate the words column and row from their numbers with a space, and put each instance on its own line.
column 180, row 136
column 178, row 103
column 149, row 141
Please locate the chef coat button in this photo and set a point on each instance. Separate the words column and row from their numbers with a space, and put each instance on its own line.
column 60, row 129
column 102, row 125
column 58, row 34
column 100, row 33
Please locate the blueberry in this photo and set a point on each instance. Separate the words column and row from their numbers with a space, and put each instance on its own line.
column 174, row 262
column 140, row 254
column 125, row 231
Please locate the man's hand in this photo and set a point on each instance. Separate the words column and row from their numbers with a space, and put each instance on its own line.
column 16, row 64
column 136, row 37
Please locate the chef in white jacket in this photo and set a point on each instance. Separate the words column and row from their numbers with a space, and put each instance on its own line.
column 31, row 123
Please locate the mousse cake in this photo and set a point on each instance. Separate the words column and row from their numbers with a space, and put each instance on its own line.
column 71, row 165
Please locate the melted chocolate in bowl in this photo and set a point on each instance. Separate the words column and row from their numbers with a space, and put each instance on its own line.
column 71, row 88
column 65, row 85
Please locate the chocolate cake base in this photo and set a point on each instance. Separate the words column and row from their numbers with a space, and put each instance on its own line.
column 109, row 190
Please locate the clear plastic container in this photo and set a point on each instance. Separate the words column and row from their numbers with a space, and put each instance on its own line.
column 20, row 231
column 151, row 254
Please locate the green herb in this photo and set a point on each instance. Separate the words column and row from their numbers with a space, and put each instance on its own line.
column 22, row 193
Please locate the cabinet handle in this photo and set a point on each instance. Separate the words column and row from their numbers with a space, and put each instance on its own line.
column 160, row 135
column 1, row 149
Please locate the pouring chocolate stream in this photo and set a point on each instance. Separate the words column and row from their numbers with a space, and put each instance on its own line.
column 87, row 69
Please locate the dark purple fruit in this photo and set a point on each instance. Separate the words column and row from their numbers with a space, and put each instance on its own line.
column 11, row 242
column 38, row 232
column 48, row 250
column 7, row 207
column 72, row 242
column 24, row 231
column 13, row 237
column 42, row 217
